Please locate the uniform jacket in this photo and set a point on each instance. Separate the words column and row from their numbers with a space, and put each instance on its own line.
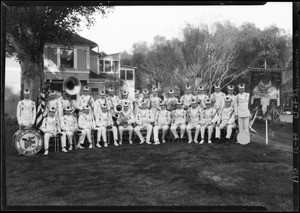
column 26, row 112
column 51, row 124
column 144, row 116
column 194, row 115
column 69, row 123
column 226, row 115
column 179, row 116
column 163, row 117
column 86, row 121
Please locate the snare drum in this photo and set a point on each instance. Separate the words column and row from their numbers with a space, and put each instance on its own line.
column 28, row 141
column 243, row 137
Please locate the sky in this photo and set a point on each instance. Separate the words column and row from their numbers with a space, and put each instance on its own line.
column 127, row 25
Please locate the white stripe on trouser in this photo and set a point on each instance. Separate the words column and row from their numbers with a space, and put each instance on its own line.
column 128, row 128
column 103, row 130
column 244, row 124
column 138, row 129
column 182, row 130
column 189, row 127
column 86, row 133
column 156, row 130
column 210, row 130
column 47, row 137
column 228, row 130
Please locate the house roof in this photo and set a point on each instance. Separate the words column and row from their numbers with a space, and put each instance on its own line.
column 77, row 39
column 94, row 75
column 101, row 54
column 126, row 66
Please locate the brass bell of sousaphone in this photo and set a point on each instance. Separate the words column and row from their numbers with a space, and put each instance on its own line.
column 72, row 85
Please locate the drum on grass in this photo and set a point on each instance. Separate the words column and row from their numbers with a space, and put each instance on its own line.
column 243, row 137
column 28, row 141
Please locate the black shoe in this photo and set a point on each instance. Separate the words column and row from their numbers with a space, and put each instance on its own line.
column 227, row 141
column 218, row 140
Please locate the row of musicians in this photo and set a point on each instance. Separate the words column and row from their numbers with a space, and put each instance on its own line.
column 185, row 120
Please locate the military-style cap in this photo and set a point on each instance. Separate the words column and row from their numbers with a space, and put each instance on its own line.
column 201, row 88
column 171, row 91
column 136, row 92
column 241, row 86
column 125, row 103
column 102, row 92
column 228, row 99
column 86, row 107
column 68, row 109
column 145, row 91
column 162, row 103
column 104, row 106
column 179, row 102
column 154, row 89
column 26, row 91
column 110, row 89
column 52, row 92
column 86, row 88
column 217, row 86
column 125, row 92
column 143, row 102
column 230, row 87
column 207, row 102
column 188, row 87
column 52, row 109
column 193, row 101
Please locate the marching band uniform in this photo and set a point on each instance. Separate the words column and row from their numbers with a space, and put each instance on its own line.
column 127, row 123
column 178, row 120
column 241, row 108
column 99, row 102
column 187, row 98
column 144, row 120
column 85, row 99
column 86, row 124
column 226, row 120
column 201, row 97
column 62, row 104
column 136, row 102
column 53, row 102
column 69, row 125
column 171, row 100
column 230, row 94
column 217, row 98
column 103, row 120
column 207, row 121
column 193, row 117
column 26, row 112
column 126, row 100
column 145, row 98
column 51, row 127
column 154, row 102
column 112, row 100
column 162, row 121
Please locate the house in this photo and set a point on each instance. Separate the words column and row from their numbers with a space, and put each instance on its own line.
column 93, row 69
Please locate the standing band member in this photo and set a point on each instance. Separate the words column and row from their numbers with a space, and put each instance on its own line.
column 63, row 103
column 26, row 111
column 99, row 102
column 146, row 98
column 154, row 101
column 52, row 102
column 162, row 121
column 193, row 120
column 125, row 121
column 230, row 89
column 86, row 124
column 124, row 99
column 178, row 121
column 201, row 97
column 136, row 102
column 86, row 99
column 217, row 97
column 144, row 120
column 171, row 100
column 51, row 127
column 207, row 121
column 225, row 120
column 187, row 97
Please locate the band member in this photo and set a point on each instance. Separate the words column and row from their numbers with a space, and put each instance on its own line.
column 125, row 99
column 207, row 121
column 69, row 125
column 136, row 102
column 52, row 102
column 103, row 122
column 162, row 121
column 125, row 121
column 144, row 120
column 112, row 99
column 193, row 120
column 51, row 127
column 217, row 97
column 26, row 111
column 171, row 100
column 225, row 120
column 86, row 99
column 178, row 121
column 101, row 100
column 201, row 97
column 241, row 108
column 63, row 103
column 187, row 97
column 146, row 97
column 154, row 101
column 230, row 89
column 86, row 124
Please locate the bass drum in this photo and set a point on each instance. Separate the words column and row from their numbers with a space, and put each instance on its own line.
column 28, row 141
column 243, row 137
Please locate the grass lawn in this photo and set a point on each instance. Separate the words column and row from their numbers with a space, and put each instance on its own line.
column 171, row 174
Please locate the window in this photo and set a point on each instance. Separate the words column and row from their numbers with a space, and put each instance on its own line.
column 129, row 75
column 67, row 58
column 101, row 65
column 107, row 66
column 115, row 65
column 122, row 75
column 94, row 89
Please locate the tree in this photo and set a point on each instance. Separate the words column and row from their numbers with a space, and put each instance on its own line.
column 28, row 28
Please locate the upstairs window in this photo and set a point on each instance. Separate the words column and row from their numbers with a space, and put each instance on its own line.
column 129, row 75
column 115, row 65
column 67, row 58
column 101, row 66
column 94, row 89
column 122, row 75
column 107, row 66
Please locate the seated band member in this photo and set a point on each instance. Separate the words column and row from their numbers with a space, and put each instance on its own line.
column 125, row 121
column 144, row 120
column 193, row 121
column 178, row 121
column 26, row 112
column 162, row 121
column 187, row 97
column 69, row 126
column 225, row 120
column 86, row 124
column 207, row 121
column 51, row 127
column 103, row 122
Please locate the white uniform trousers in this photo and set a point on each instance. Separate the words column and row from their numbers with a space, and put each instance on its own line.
column 122, row 129
column 244, row 124
column 47, row 137
column 210, row 131
column 138, row 129
column 156, row 130
column 182, row 130
column 85, row 133
column 102, row 133
column 228, row 130
column 189, row 127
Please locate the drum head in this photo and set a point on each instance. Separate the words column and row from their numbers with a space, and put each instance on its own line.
column 28, row 142
column 243, row 137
